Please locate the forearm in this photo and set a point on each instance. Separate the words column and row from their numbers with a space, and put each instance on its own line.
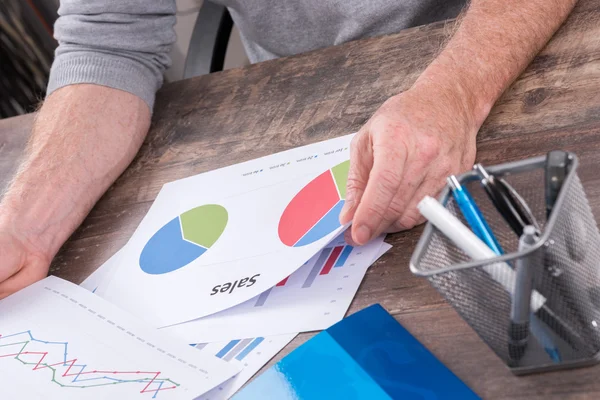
column 495, row 41
column 83, row 138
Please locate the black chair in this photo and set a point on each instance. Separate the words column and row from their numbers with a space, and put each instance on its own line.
column 210, row 37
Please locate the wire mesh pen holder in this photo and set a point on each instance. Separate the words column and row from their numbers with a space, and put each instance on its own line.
column 564, row 320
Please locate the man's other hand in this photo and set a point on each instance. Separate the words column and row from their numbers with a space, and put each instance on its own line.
column 20, row 264
column 403, row 153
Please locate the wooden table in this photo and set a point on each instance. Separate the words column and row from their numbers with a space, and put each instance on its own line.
column 233, row 116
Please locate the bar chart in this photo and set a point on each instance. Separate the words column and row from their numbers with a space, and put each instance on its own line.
column 328, row 258
column 251, row 354
column 314, row 297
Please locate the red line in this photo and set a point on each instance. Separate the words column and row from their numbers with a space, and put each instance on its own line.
column 41, row 359
column 150, row 383
column 116, row 372
column 72, row 362
column 331, row 260
column 158, row 390
column 283, row 282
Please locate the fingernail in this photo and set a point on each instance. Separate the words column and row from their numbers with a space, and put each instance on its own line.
column 363, row 234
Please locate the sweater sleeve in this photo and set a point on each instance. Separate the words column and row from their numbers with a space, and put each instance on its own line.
column 122, row 44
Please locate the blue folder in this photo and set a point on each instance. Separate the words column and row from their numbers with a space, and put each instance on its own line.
column 368, row 355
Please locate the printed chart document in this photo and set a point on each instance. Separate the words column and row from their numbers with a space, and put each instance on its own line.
column 314, row 297
column 250, row 354
column 59, row 341
column 223, row 237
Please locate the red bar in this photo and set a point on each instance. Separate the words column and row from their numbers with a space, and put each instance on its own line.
column 283, row 282
column 331, row 260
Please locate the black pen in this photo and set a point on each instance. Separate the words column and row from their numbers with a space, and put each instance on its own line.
column 507, row 201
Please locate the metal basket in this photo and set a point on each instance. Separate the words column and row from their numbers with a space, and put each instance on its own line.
column 567, row 272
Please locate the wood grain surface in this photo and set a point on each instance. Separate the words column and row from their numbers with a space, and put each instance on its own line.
column 228, row 117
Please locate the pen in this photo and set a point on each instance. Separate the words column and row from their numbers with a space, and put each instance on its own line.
column 507, row 201
column 520, row 308
column 501, row 272
column 473, row 215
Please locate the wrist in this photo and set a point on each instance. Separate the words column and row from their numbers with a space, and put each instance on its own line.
column 38, row 224
column 26, row 233
column 446, row 107
column 464, row 101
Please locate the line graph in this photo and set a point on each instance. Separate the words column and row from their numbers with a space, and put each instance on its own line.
column 68, row 373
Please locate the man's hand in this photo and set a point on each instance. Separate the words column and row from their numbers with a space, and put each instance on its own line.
column 418, row 138
column 21, row 264
column 83, row 138
column 404, row 152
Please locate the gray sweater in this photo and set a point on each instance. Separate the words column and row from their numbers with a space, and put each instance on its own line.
column 124, row 44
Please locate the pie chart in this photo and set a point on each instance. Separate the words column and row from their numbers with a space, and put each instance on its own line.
column 183, row 239
column 314, row 211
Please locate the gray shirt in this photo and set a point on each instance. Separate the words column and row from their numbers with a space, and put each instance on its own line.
column 124, row 44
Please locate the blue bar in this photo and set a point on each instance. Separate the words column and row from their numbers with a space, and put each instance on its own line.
column 227, row 347
column 249, row 348
column 344, row 256
column 237, row 349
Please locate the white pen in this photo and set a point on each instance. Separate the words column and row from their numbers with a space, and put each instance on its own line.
column 474, row 247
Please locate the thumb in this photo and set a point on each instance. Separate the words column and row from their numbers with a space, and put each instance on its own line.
column 361, row 162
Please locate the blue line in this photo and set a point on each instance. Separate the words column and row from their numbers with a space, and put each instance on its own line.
column 344, row 256
column 79, row 373
column 16, row 334
column 157, row 389
column 249, row 348
column 43, row 341
column 226, row 349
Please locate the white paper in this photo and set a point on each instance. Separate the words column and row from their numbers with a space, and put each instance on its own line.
column 249, row 250
column 307, row 301
column 59, row 341
column 251, row 362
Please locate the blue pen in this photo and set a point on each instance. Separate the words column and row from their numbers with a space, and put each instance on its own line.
column 480, row 227
column 473, row 215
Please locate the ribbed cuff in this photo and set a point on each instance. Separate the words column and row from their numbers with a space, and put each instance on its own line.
column 106, row 70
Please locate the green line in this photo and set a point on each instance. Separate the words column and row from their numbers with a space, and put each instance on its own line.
column 12, row 344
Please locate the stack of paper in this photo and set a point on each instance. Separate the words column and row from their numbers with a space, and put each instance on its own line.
column 236, row 262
